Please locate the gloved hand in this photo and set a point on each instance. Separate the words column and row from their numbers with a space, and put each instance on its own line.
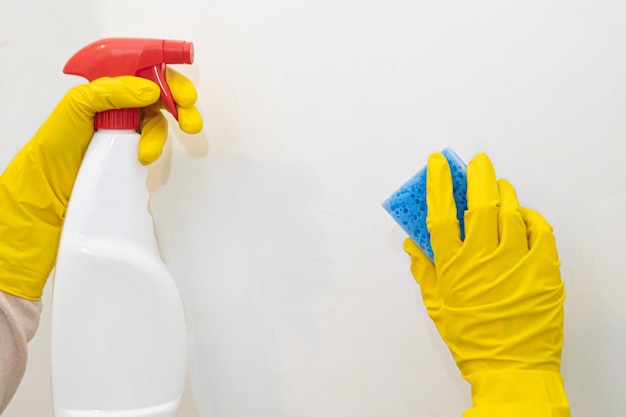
column 35, row 187
column 496, row 297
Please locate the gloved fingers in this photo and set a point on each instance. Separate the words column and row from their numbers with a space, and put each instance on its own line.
column 109, row 93
column 483, row 201
column 154, row 130
column 190, row 120
column 539, row 232
column 183, row 90
column 510, row 221
column 424, row 274
column 153, row 135
column 185, row 95
column 443, row 225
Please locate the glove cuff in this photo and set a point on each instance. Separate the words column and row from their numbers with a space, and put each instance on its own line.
column 517, row 394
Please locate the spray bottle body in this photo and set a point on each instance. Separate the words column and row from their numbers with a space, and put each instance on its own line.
column 118, row 328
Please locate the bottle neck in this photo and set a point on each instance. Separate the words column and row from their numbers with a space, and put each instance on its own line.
column 120, row 119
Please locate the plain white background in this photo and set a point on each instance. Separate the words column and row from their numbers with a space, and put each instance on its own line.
column 298, row 294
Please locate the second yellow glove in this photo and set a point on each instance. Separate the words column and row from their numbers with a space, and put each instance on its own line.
column 496, row 297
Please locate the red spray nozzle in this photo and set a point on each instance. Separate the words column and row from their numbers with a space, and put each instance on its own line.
column 112, row 57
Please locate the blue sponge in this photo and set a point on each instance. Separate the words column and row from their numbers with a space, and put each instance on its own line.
column 408, row 207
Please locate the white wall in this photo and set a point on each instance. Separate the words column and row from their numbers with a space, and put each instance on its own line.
column 298, row 293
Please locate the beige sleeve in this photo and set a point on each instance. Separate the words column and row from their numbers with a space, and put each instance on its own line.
column 19, row 319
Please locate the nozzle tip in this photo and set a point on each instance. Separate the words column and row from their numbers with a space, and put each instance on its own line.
column 178, row 52
column 188, row 52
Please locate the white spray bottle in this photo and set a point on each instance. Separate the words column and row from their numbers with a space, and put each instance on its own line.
column 119, row 341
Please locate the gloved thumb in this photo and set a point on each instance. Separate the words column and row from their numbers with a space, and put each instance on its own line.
column 109, row 93
column 424, row 272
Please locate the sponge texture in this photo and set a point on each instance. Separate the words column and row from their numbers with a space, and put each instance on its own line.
column 407, row 206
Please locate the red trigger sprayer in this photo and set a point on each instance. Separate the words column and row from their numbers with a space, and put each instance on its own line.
column 146, row 58
column 119, row 339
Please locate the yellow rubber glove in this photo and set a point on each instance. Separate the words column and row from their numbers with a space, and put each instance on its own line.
column 496, row 297
column 35, row 187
